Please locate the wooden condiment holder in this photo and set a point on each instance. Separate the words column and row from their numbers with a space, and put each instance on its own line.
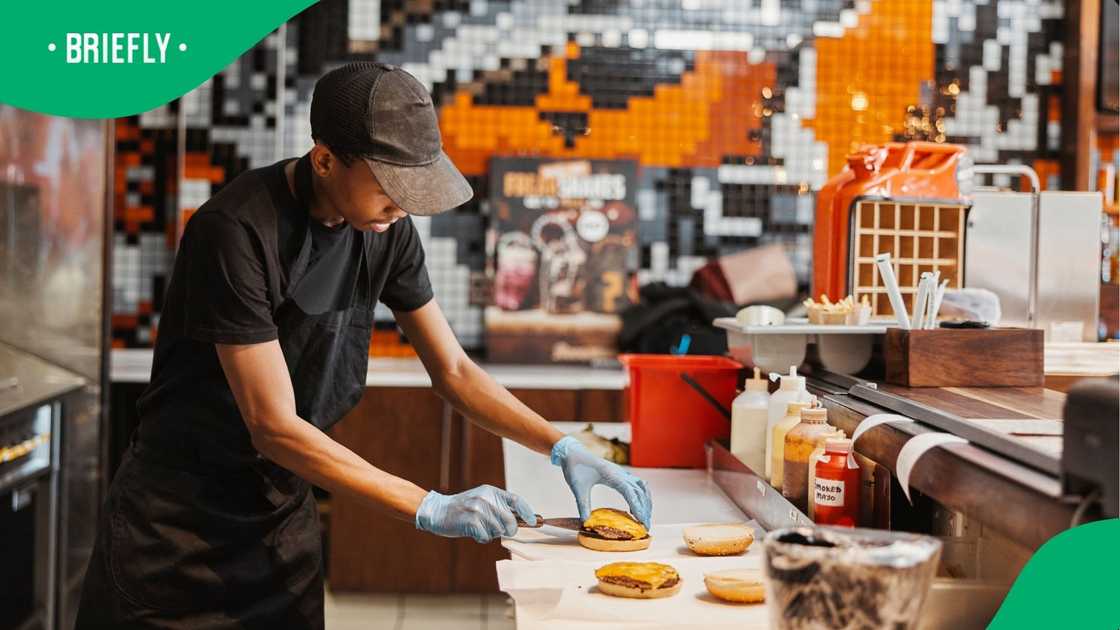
column 946, row 357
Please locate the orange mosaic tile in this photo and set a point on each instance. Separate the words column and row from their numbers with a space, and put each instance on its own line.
column 709, row 115
column 133, row 216
column 867, row 78
column 198, row 166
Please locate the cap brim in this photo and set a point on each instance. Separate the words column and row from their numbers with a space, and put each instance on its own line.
column 423, row 190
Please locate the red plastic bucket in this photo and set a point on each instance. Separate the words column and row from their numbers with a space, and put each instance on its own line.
column 669, row 420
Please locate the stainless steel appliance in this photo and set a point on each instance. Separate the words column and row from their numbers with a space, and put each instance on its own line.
column 54, row 297
column 998, row 258
column 34, row 398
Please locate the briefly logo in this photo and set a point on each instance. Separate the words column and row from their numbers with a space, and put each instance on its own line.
column 117, row 48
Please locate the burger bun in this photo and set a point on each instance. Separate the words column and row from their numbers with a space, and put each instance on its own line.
column 718, row 539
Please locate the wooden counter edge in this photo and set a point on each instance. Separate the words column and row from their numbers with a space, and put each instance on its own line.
column 1021, row 503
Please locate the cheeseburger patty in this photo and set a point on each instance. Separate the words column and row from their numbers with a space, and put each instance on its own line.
column 609, row 533
column 632, row 583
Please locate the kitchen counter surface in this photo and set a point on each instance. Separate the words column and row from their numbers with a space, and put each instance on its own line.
column 1067, row 363
column 1082, row 359
column 135, row 366
column 679, row 496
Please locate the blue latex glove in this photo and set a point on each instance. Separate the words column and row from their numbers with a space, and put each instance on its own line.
column 583, row 471
column 483, row 513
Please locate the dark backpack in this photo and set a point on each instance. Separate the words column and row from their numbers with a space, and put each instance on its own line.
column 673, row 320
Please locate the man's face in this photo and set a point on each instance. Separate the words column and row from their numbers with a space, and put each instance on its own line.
column 354, row 193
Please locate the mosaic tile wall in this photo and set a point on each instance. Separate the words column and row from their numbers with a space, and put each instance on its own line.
column 736, row 110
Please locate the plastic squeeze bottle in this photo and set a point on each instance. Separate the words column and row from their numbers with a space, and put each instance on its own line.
column 799, row 444
column 818, row 451
column 778, row 439
column 791, row 388
column 837, row 486
column 749, row 412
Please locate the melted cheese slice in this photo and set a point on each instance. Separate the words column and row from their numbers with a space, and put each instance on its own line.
column 616, row 519
column 653, row 573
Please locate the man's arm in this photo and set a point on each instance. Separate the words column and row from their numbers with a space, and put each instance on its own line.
column 468, row 387
column 470, row 390
column 262, row 387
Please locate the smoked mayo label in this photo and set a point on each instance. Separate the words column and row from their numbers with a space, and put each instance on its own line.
column 828, row 492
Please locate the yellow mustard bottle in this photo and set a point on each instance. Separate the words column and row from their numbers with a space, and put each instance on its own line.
column 778, row 439
column 818, row 451
column 798, row 445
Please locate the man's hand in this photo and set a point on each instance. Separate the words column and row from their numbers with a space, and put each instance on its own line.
column 583, row 471
column 483, row 513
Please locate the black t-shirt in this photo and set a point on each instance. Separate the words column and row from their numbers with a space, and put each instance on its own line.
column 231, row 275
column 330, row 272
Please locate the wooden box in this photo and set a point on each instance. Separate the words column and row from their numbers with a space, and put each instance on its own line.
column 943, row 357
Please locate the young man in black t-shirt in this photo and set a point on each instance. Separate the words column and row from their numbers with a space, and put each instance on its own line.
column 210, row 522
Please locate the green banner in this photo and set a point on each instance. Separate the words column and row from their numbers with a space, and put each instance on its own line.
column 107, row 59
column 1070, row 582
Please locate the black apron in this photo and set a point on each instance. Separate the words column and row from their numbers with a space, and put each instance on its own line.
column 193, row 538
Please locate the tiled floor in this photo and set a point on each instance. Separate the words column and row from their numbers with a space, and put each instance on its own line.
column 418, row 612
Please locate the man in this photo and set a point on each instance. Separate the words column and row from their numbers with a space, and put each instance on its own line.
column 210, row 521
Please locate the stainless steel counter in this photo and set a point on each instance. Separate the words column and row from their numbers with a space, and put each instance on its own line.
column 26, row 380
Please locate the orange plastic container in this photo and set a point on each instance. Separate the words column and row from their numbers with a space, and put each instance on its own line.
column 669, row 420
column 911, row 170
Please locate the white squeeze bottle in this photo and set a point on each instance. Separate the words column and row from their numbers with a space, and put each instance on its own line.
column 749, row 415
column 791, row 388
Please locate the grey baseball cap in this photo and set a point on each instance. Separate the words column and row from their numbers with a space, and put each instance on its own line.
column 385, row 115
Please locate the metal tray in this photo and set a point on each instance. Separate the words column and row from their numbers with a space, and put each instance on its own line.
column 750, row 492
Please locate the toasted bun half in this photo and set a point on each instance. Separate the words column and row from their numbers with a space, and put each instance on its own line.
column 604, row 544
column 618, row 590
column 718, row 540
column 742, row 586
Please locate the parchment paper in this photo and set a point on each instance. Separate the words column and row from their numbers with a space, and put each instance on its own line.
column 560, row 594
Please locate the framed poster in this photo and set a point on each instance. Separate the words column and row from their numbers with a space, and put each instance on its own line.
column 562, row 250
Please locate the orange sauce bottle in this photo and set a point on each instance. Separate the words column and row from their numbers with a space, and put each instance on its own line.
column 836, row 488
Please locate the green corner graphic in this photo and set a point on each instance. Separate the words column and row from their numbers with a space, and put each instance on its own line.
column 108, row 59
column 1070, row 582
